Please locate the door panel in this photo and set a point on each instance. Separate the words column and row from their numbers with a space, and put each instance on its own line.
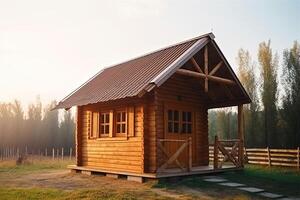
column 179, row 125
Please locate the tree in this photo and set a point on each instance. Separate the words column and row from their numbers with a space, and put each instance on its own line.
column 50, row 126
column 67, row 130
column 291, row 99
column 268, row 67
column 246, row 73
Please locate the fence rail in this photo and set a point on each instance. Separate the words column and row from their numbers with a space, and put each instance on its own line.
column 267, row 156
column 7, row 153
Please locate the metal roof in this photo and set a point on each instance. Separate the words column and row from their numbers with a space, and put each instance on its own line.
column 135, row 77
column 129, row 78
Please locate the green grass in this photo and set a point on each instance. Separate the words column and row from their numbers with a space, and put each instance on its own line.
column 284, row 181
column 274, row 179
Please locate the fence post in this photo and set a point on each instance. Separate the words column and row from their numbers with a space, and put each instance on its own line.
column 216, row 153
column 298, row 155
column 62, row 153
column 190, row 153
column 269, row 157
column 53, row 153
column 70, row 153
column 46, row 152
column 57, row 153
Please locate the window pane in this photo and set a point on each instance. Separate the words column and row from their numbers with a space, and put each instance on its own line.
column 183, row 128
column 123, row 128
column 189, row 116
column 118, row 117
column 176, row 127
column 118, row 128
column 189, row 128
column 123, row 116
column 170, row 115
column 102, row 129
column 107, row 118
column 102, row 118
column 170, row 128
column 106, row 129
column 176, row 115
column 184, row 116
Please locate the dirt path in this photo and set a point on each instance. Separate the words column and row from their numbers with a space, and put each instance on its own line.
column 64, row 180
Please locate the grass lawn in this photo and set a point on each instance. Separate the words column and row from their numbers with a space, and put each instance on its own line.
column 47, row 179
column 273, row 179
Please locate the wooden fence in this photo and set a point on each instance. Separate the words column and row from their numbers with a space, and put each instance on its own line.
column 267, row 156
column 7, row 153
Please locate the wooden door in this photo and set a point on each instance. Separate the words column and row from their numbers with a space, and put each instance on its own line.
column 179, row 125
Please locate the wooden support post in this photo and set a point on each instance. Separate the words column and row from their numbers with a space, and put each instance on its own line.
column 269, row 157
column 298, row 156
column 190, row 154
column 216, row 153
column 206, row 68
column 53, row 153
column 78, row 136
column 241, row 135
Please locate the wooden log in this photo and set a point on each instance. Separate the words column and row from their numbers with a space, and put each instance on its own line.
column 203, row 76
column 206, row 68
column 215, row 69
column 198, row 68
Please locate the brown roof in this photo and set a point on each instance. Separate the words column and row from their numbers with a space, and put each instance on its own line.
column 135, row 76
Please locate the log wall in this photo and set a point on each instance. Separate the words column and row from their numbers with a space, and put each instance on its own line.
column 124, row 154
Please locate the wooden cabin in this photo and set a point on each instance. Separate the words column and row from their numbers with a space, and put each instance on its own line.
column 148, row 117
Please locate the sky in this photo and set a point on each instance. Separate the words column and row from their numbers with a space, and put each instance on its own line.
column 49, row 48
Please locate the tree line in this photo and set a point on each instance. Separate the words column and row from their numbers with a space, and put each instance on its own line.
column 38, row 128
column 272, row 119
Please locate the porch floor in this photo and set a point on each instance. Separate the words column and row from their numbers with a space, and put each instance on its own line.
column 167, row 173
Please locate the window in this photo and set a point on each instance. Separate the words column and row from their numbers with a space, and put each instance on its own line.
column 173, row 121
column 105, row 124
column 179, row 121
column 121, row 122
column 111, row 123
column 186, row 122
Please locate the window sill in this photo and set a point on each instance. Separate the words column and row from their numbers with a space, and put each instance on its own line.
column 112, row 138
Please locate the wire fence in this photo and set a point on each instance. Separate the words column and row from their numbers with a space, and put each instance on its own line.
column 8, row 153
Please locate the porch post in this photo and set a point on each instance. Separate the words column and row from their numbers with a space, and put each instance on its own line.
column 241, row 135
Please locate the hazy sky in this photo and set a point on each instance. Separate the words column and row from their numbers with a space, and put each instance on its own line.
column 51, row 47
